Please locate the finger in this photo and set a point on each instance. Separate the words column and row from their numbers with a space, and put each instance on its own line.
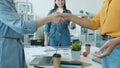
column 57, row 14
column 109, row 48
column 56, row 20
column 96, row 54
column 108, row 51
column 65, row 18
column 104, row 46
column 63, row 15
column 100, row 55
column 60, row 19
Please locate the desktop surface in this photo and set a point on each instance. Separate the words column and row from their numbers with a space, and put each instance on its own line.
column 65, row 56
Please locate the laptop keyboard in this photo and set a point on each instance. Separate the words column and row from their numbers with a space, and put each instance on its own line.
column 35, row 61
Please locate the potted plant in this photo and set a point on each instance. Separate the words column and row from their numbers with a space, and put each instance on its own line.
column 81, row 11
column 76, row 50
column 84, row 14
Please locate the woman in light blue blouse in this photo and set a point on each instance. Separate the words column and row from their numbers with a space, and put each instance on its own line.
column 12, row 28
column 58, row 34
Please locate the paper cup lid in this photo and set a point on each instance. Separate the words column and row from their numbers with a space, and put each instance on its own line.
column 57, row 55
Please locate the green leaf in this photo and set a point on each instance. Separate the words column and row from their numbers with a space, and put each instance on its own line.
column 76, row 46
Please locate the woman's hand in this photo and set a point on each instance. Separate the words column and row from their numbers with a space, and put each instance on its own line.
column 45, row 43
column 72, row 25
column 56, row 18
column 108, row 47
column 65, row 16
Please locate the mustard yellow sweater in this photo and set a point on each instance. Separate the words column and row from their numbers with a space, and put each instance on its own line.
column 108, row 19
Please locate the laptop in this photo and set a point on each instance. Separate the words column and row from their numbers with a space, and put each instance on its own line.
column 42, row 61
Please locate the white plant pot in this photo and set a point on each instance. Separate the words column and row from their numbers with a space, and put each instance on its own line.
column 75, row 55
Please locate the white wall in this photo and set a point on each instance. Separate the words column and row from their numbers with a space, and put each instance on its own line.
column 42, row 7
column 88, row 5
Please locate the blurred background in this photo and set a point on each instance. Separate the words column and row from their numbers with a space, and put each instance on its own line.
column 34, row 9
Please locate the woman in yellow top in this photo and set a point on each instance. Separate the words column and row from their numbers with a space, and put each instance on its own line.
column 108, row 20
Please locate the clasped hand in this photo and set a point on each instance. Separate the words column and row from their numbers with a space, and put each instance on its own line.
column 57, row 18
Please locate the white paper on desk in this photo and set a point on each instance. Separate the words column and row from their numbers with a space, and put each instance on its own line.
column 35, row 51
column 49, row 48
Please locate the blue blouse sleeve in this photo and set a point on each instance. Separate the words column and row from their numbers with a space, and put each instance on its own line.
column 19, row 25
column 47, row 28
column 48, row 25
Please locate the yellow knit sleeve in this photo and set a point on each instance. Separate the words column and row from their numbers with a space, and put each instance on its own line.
column 95, row 22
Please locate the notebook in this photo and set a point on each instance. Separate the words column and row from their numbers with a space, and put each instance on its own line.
column 70, row 64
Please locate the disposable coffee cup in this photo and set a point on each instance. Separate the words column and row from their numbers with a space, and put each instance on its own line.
column 87, row 47
column 56, row 60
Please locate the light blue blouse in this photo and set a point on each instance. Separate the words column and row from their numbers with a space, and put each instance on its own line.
column 11, row 25
column 58, row 33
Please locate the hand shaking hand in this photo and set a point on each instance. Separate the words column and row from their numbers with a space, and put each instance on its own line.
column 57, row 17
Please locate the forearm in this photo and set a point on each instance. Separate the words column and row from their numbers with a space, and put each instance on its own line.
column 117, row 40
column 46, row 37
column 43, row 21
column 80, row 21
column 46, row 40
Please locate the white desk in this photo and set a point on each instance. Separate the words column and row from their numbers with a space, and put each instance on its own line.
column 65, row 56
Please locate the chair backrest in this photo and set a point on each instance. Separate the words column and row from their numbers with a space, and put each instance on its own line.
column 37, row 42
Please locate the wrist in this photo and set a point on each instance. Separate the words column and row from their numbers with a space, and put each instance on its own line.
column 116, row 40
column 49, row 18
column 69, row 16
